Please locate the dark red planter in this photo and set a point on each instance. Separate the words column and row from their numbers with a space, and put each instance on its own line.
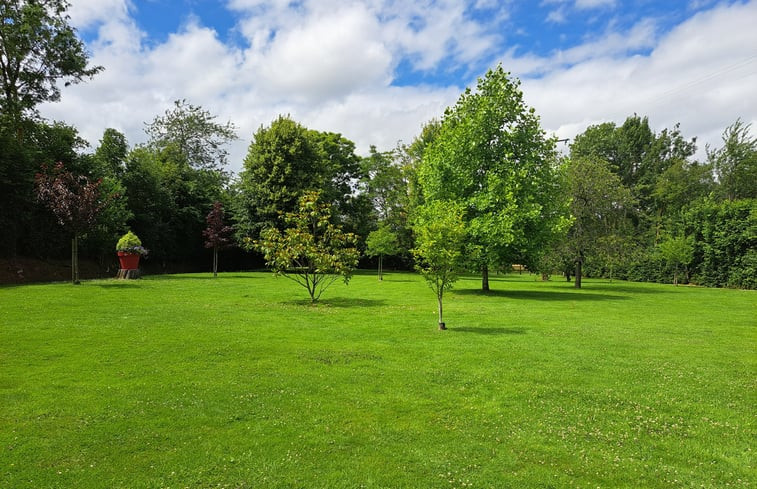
column 129, row 261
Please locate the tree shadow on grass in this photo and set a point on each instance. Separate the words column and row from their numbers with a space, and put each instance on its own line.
column 487, row 330
column 338, row 302
column 539, row 295
column 202, row 276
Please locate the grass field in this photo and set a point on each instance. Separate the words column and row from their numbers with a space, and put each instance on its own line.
column 186, row 381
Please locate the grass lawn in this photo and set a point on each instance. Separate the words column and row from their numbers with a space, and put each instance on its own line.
column 186, row 381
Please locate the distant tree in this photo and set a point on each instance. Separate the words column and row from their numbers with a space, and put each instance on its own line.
column 379, row 243
column 282, row 163
column 439, row 237
column 38, row 47
column 217, row 234
column 311, row 251
column 75, row 201
column 736, row 162
column 677, row 251
column 195, row 133
column 285, row 160
column 599, row 201
column 111, row 154
column 493, row 158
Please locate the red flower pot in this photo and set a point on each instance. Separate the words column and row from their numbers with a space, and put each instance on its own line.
column 129, row 261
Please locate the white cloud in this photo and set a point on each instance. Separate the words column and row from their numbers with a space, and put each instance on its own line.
column 330, row 64
column 590, row 4
column 702, row 75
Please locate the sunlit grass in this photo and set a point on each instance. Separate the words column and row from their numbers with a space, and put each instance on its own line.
column 186, row 381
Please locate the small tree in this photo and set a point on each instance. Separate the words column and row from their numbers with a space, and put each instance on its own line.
column 677, row 251
column 75, row 201
column 439, row 237
column 311, row 251
column 379, row 243
column 217, row 235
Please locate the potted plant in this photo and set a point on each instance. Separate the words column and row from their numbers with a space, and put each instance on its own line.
column 129, row 249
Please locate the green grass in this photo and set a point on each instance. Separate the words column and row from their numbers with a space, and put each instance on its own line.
column 185, row 381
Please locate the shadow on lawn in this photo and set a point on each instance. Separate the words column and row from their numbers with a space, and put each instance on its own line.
column 488, row 331
column 339, row 302
column 538, row 295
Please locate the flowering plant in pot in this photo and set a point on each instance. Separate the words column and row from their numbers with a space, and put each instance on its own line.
column 129, row 248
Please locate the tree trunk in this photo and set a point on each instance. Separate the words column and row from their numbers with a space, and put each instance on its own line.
column 485, row 278
column 381, row 268
column 579, row 263
column 215, row 261
column 442, row 326
column 75, row 260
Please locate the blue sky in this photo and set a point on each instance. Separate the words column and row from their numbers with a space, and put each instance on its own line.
column 376, row 70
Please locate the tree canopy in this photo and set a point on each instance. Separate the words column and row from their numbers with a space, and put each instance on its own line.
column 493, row 158
column 38, row 48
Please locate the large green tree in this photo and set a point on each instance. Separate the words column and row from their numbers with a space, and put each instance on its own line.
column 38, row 48
column 640, row 157
column 285, row 160
column 493, row 158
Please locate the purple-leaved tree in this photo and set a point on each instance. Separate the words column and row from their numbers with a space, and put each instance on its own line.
column 217, row 235
column 75, row 201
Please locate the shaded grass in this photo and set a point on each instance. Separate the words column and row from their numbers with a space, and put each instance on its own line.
column 176, row 381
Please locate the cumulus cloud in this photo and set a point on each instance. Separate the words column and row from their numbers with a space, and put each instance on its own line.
column 701, row 75
column 332, row 65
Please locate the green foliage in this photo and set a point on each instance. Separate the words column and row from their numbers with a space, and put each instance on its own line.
column 381, row 242
column 311, row 251
column 439, row 239
column 677, row 251
column 169, row 200
column 286, row 160
column 492, row 157
column 736, row 162
column 128, row 241
column 38, row 48
column 599, row 205
column 725, row 240
column 282, row 162
column 110, row 155
column 194, row 132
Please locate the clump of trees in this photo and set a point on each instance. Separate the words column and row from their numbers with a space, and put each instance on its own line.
column 627, row 201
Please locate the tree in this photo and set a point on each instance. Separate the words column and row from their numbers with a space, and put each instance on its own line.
column 76, row 203
column 312, row 251
column 677, row 251
column 385, row 184
column 439, row 237
column 38, row 48
column 217, row 234
column 170, row 200
column 492, row 157
column 599, row 202
column 284, row 161
column 736, row 162
column 196, row 134
column 110, row 155
column 379, row 243
column 641, row 158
